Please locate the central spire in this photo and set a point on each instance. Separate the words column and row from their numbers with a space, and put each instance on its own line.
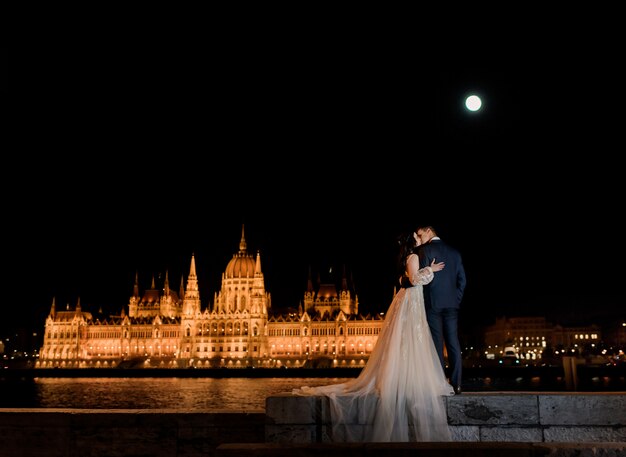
column 242, row 244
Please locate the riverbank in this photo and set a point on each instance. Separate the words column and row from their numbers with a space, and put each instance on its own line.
column 25, row 373
column 480, row 379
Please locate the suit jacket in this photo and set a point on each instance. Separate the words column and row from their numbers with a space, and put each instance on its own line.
column 447, row 288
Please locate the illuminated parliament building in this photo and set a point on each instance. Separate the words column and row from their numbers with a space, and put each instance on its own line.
column 163, row 328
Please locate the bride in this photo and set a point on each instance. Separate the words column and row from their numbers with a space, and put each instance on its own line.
column 398, row 396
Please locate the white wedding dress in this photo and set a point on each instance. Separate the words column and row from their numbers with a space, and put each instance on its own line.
column 399, row 394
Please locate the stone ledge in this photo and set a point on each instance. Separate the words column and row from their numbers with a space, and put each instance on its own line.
column 422, row 449
column 477, row 417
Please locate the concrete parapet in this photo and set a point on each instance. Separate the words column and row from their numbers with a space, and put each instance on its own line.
column 478, row 417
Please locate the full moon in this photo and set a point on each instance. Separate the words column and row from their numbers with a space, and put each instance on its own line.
column 473, row 103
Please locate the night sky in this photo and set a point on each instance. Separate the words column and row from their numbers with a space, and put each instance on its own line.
column 135, row 152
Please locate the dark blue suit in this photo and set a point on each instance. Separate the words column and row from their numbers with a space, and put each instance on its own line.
column 442, row 298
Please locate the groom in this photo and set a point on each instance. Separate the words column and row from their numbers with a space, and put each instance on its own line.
column 442, row 297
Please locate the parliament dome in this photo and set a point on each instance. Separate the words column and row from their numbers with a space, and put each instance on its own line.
column 242, row 264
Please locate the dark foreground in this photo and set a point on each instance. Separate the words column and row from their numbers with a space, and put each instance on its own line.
column 482, row 449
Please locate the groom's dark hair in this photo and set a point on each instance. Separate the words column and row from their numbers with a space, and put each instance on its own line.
column 426, row 227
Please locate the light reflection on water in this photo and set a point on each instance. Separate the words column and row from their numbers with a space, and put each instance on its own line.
column 247, row 394
column 153, row 393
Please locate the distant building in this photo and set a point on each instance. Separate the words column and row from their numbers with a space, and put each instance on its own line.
column 530, row 336
column 168, row 329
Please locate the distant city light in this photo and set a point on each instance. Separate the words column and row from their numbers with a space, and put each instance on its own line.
column 473, row 103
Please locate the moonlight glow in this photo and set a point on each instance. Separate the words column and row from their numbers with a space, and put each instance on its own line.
column 473, row 103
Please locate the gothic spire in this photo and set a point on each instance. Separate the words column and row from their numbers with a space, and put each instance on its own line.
column 166, row 286
column 136, row 286
column 257, row 267
column 192, row 269
column 242, row 244
column 191, row 301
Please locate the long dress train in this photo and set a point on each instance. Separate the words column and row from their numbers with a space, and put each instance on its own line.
column 398, row 396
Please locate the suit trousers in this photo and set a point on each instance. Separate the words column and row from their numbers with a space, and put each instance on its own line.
column 444, row 328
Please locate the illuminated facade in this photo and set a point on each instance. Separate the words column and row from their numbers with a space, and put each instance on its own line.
column 167, row 329
column 530, row 336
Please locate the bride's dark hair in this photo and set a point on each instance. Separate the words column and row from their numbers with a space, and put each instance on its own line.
column 407, row 244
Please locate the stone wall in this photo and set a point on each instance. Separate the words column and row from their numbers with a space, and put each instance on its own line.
column 474, row 417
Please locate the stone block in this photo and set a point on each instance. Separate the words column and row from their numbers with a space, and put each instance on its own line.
column 584, row 434
column 511, row 434
column 295, row 409
column 365, row 405
column 293, row 433
column 493, row 409
column 465, row 432
column 341, row 433
column 583, row 409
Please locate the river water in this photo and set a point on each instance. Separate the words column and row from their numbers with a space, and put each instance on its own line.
column 249, row 393
column 244, row 394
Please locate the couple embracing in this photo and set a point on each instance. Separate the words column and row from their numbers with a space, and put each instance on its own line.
column 442, row 298
column 398, row 396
